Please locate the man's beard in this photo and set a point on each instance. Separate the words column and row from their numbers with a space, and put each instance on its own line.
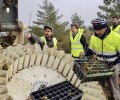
column 100, row 35
column 114, row 23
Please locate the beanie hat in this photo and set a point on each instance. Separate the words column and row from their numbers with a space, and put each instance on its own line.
column 99, row 23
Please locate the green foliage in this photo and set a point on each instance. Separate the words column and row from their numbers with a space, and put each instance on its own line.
column 88, row 35
column 37, row 30
column 76, row 18
column 64, row 41
column 47, row 15
column 109, row 9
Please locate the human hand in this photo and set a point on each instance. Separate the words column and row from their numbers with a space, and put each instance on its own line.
column 28, row 35
column 82, row 54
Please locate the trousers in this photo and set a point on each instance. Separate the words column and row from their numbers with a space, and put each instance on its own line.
column 114, row 82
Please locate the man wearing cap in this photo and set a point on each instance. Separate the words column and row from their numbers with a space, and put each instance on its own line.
column 77, row 41
column 105, row 44
column 48, row 39
column 115, row 27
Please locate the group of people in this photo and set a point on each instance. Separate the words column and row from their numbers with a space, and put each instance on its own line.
column 104, row 43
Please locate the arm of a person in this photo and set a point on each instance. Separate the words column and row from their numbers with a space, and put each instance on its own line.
column 118, row 50
column 89, row 52
column 32, row 39
column 84, row 42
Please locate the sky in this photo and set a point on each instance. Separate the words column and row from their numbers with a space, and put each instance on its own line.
column 87, row 9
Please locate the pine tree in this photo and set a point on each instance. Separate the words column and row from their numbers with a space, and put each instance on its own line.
column 76, row 18
column 47, row 15
column 109, row 9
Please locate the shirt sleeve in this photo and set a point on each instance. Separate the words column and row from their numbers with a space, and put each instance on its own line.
column 32, row 39
column 89, row 52
column 84, row 42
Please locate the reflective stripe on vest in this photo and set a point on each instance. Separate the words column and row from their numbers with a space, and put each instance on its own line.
column 106, row 49
column 54, row 41
column 107, row 59
column 117, row 29
column 76, row 46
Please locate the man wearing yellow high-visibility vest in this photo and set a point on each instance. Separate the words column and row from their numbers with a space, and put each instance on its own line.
column 115, row 27
column 47, row 39
column 105, row 44
column 77, row 41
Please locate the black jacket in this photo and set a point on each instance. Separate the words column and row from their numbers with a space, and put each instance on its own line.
column 34, row 39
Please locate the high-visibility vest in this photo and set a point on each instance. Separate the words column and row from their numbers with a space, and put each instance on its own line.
column 76, row 46
column 82, row 30
column 117, row 29
column 54, row 41
column 106, row 49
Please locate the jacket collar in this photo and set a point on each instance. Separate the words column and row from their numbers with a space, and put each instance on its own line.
column 107, row 32
column 49, row 38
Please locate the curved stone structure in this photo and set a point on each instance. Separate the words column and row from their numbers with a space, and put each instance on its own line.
column 21, row 58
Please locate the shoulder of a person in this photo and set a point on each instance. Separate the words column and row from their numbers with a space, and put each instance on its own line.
column 111, row 26
column 118, row 25
column 115, row 34
column 93, row 36
column 54, row 38
column 42, row 37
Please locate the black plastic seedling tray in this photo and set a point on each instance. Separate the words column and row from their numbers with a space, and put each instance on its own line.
column 60, row 91
column 89, row 70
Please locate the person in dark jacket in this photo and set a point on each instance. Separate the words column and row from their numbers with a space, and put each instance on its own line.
column 47, row 39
